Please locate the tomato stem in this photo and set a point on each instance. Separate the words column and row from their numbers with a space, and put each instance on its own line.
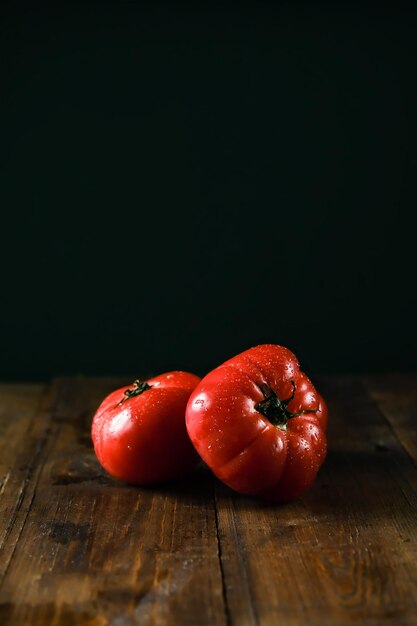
column 276, row 410
column 137, row 388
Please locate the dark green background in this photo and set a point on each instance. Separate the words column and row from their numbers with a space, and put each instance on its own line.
column 178, row 184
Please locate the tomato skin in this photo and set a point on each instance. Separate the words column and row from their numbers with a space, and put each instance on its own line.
column 143, row 439
column 240, row 444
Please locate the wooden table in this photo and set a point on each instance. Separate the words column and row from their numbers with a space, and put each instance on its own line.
column 77, row 547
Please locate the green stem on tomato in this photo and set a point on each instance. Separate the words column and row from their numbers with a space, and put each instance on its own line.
column 276, row 410
column 138, row 387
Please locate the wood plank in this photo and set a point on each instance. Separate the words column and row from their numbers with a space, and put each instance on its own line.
column 23, row 424
column 96, row 552
column 396, row 396
column 345, row 553
column 81, row 548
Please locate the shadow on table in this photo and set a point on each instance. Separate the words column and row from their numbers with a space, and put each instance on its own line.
column 355, row 481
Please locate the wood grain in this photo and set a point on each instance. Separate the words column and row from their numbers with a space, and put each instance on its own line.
column 23, row 434
column 346, row 552
column 93, row 551
column 77, row 547
column 396, row 396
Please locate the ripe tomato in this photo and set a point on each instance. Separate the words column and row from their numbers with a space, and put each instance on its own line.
column 259, row 424
column 139, row 432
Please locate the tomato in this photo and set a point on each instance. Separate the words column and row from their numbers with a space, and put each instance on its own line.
column 139, row 431
column 259, row 424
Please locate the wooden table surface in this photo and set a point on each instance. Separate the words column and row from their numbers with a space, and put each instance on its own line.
column 77, row 547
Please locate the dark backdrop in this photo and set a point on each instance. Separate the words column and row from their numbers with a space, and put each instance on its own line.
column 178, row 184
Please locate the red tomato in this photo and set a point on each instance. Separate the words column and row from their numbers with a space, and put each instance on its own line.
column 139, row 432
column 259, row 424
